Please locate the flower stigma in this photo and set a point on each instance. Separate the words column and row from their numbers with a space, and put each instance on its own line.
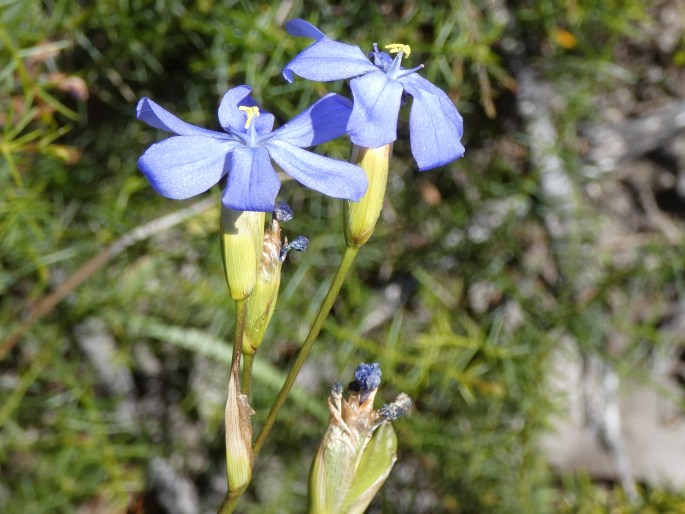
column 252, row 112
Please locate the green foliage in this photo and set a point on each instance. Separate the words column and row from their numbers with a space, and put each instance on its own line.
column 70, row 74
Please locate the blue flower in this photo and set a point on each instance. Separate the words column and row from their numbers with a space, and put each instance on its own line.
column 379, row 89
column 195, row 159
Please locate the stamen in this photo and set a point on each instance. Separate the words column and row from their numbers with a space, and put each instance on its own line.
column 395, row 48
column 252, row 112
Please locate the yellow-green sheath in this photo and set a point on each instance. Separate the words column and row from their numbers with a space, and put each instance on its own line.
column 241, row 238
column 360, row 217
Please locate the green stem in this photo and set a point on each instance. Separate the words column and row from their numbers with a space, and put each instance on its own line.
column 324, row 310
column 231, row 501
column 246, row 384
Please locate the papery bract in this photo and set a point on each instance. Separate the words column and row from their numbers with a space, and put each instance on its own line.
column 379, row 89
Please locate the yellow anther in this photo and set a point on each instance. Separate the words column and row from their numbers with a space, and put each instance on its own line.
column 394, row 48
column 252, row 112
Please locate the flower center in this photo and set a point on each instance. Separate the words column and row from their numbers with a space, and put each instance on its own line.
column 393, row 68
column 252, row 112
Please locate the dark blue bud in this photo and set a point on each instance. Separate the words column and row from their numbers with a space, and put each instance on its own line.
column 336, row 389
column 299, row 244
column 394, row 410
column 282, row 212
column 368, row 376
column 391, row 411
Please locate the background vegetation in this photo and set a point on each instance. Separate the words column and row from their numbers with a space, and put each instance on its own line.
column 463, row 295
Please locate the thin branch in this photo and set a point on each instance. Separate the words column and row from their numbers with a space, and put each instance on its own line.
column 48, row 302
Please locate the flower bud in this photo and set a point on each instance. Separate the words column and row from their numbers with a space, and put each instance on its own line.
column 360, row 217
column 238, row 436
column 241, row 243
column 358, row 450
column 262, row 301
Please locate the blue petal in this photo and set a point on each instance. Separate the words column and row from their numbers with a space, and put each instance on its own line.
column 299, row 27
column 184, row 166
column 435, row 125
column 232, row 119
column 328, row 60
column 328, row 176
column 323, row 121
column 377, row 98
column 156, row 116
column 252, row 182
